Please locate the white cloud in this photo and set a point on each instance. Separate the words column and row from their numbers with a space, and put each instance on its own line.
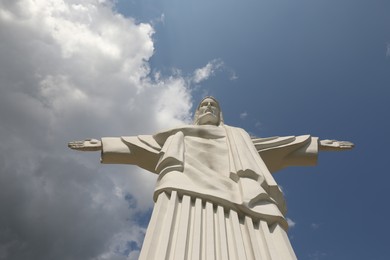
column 317, row 255
column 158, row 20
column 205, row 72
column 243, row 115
column 315, row 226
column 72, row 70
column 233, row 75
column 290, row 223
column 281, row 189
column 210, row 69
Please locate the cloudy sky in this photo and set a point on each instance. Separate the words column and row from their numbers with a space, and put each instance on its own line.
column 71, row 70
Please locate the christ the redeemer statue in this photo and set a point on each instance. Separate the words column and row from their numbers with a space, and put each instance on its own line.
column 215, row 196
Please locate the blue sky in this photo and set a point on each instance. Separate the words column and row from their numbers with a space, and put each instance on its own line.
column 72, row 70
column 317, row 67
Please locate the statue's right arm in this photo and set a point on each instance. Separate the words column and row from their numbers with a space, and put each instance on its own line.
column 122, row 150
column 113, row 149
column 86, row 145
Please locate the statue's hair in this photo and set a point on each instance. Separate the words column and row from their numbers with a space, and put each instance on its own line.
column 196, row 116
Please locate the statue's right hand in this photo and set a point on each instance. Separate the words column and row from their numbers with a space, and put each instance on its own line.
column 86, row 145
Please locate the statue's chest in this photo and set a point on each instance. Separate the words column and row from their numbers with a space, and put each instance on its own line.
column 207, row 155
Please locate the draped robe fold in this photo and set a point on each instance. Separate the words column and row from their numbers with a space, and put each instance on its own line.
column 221, row 165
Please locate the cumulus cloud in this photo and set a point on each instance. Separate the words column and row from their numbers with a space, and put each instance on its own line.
column 281, row 189
column 233, row 75
column 205, row 72
column 210, row 69
column 290, row 223
column 158, row 20
column 72, row 70
column 317, row 255
column 243, row 115
column 315, row 226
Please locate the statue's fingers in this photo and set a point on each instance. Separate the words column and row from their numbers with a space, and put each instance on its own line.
column 76, row 142
column 346, row 144
column 328, row 141
column 76, row 145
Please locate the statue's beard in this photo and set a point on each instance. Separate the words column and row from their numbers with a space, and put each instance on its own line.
column 208, row 116
column 209, row 110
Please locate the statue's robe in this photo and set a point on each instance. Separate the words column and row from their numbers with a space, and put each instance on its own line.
column 216, row 180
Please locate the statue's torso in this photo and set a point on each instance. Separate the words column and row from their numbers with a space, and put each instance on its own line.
column 208, row 169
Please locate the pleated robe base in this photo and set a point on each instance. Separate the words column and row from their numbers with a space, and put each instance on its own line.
column 184, row 228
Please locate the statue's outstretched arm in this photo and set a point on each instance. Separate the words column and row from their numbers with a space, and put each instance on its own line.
column 334, row 145
column 87, row 145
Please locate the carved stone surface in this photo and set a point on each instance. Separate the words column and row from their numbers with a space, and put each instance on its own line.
column 215, row 195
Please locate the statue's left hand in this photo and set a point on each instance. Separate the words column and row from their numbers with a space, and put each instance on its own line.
column 86, row 145
column 334, row 145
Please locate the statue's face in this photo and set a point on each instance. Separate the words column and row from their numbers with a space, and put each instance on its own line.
column 209, row 112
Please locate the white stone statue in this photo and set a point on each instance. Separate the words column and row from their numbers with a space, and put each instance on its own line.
column 215, row 196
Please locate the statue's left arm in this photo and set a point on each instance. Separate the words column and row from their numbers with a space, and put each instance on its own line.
column 334, row 145
column 281, row 152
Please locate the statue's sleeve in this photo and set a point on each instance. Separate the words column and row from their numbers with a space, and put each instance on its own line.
column 142, row 151
column 280, row 152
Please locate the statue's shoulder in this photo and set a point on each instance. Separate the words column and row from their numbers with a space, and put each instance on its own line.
column 233, row 127
column 162, row 136
column 236, row 130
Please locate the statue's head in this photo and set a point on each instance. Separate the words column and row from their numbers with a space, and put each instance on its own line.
column 208, row 112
